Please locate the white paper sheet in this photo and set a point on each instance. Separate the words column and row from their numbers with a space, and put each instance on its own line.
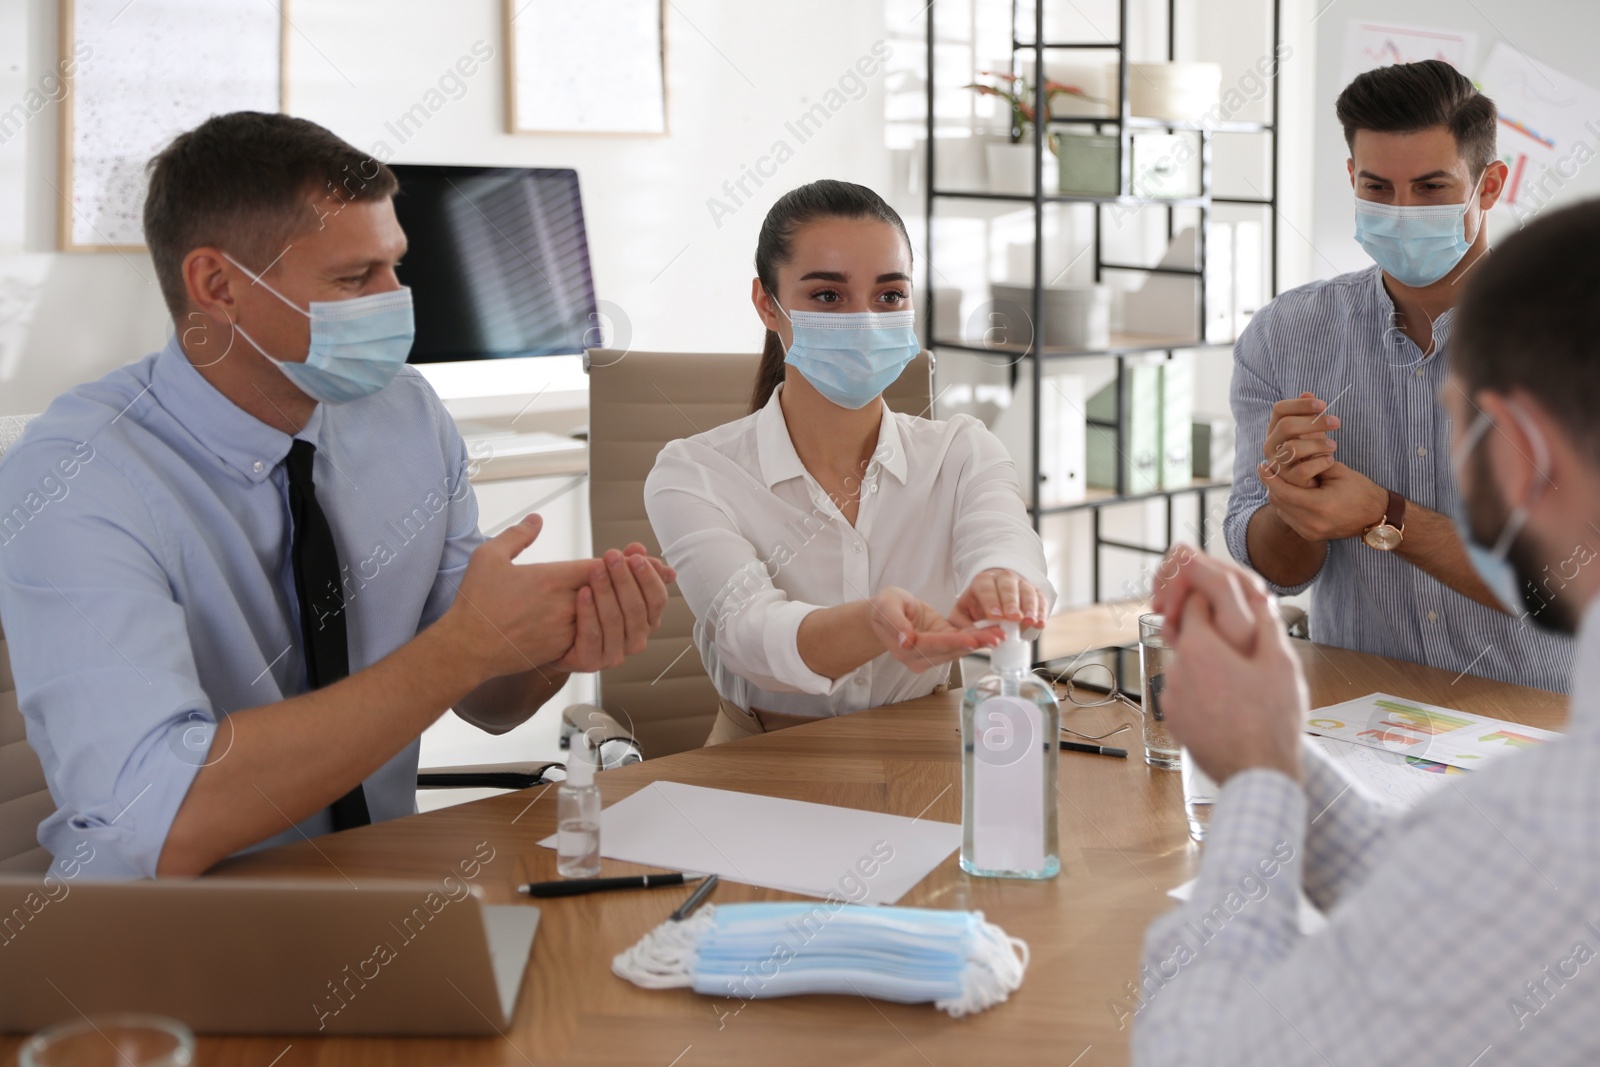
column 813, row 849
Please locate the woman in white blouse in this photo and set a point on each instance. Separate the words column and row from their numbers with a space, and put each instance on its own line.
column 837, row 555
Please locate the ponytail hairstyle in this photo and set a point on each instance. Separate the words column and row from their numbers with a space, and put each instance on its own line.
column 825, row 199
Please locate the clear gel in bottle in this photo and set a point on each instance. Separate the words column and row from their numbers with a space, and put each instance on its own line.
column 578, row 814
column 1010, row 729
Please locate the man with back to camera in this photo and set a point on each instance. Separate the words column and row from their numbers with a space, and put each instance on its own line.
column 258, row 575
column 1464, row 930
column 1361, row 513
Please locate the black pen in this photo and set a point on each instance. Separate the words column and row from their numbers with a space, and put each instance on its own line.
column 695, row 899
column 1102, row 750
column 571, row 887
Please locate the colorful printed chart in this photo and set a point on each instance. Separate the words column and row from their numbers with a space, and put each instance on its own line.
column 1423, row 732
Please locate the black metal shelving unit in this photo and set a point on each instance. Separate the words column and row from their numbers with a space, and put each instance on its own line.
column 1036, row 351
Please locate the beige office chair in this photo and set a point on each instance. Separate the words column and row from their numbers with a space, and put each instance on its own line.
column 24, row 800
column 638, row 401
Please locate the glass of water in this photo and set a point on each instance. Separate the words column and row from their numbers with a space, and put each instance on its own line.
column 129, row 1040
column 1199, row 794
column 1155, row 656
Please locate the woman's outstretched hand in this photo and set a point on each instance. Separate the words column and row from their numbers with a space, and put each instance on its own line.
column 918, row 636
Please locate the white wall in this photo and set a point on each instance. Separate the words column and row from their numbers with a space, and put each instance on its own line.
column 1558, row 33
column 677, row 277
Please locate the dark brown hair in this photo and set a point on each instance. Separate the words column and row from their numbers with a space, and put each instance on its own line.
column 1528, row 319
column 244, row 183
column 825, row 199
column 1408, row 97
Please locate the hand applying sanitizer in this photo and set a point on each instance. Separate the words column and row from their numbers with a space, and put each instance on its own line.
column 1010, row 725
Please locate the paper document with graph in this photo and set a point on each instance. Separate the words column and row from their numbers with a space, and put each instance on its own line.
column 1423, row 731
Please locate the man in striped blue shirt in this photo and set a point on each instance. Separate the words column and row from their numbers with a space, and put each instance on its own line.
column 1342, row 476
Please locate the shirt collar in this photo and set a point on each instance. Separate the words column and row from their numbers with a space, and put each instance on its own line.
column 1441, row 325
column 780, row 462
column 232, row 434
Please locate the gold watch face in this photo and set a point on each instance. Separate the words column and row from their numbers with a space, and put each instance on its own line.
column 1383, row 537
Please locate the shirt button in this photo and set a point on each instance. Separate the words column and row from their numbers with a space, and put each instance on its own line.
column 1433, row 616
column 859, row 680
column 856, row 547
column 258, row 466
column 1419, row 372
column 1421, row 451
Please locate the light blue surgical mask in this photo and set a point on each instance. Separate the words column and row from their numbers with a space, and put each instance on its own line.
column 851, row 357
column 1492, row 562
column 1416, row 245
column 955, row 959
column 357, row 345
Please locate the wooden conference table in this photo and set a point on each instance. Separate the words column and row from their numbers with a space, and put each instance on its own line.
column 1124, row 843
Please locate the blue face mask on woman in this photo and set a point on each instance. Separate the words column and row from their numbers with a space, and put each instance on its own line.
column 851, row 357
column 1493, row 563
column 1416, row 245
column 357, row 345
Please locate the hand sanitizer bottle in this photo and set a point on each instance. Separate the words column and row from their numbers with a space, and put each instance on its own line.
column 578, row 814
column 1010, row 728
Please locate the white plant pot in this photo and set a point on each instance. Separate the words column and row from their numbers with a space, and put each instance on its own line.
column 1011, row 168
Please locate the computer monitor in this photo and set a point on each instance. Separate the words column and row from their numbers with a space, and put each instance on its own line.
column 498, row 263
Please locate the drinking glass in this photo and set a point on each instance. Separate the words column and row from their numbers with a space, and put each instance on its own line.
column 1155, row 656
column 126, row 1040
column 1199, row 794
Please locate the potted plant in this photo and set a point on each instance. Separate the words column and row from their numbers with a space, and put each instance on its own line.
column 1011, row 164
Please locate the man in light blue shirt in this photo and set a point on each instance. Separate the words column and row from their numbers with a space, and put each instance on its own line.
column 151, row 570
column 1342, row 476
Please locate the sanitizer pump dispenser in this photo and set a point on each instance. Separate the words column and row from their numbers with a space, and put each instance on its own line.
column 1010, row 729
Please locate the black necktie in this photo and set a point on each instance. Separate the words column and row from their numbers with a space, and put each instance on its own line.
column 318, row 589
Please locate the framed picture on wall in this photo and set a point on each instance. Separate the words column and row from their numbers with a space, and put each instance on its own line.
column 593, row 67
column 137, row 75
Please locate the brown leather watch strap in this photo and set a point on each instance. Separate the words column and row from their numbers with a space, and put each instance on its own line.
column 1396, row 515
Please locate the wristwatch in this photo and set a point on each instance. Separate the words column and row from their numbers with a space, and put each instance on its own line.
column 1386, row 534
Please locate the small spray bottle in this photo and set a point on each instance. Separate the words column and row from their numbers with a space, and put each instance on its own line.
column 578, row 814
column 1010, row 728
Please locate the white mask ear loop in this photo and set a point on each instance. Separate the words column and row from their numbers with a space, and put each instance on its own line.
column 1466, row 206
column 1541, row 461
column 774, row 298
column 259, row 280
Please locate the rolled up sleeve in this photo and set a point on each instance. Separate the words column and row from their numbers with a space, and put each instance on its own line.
column 105, row 676
column 753, row 624
column 1251, row 394
column 991, row 526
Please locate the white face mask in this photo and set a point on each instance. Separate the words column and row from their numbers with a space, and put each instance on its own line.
column 912, row 955
column 1418, row 244
column 851, row 357
column 357, row 345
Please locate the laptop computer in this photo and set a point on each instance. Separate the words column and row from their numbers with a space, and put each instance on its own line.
column 292, row 957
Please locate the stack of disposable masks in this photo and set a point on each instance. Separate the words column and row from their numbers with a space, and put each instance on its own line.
column 953, row 958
